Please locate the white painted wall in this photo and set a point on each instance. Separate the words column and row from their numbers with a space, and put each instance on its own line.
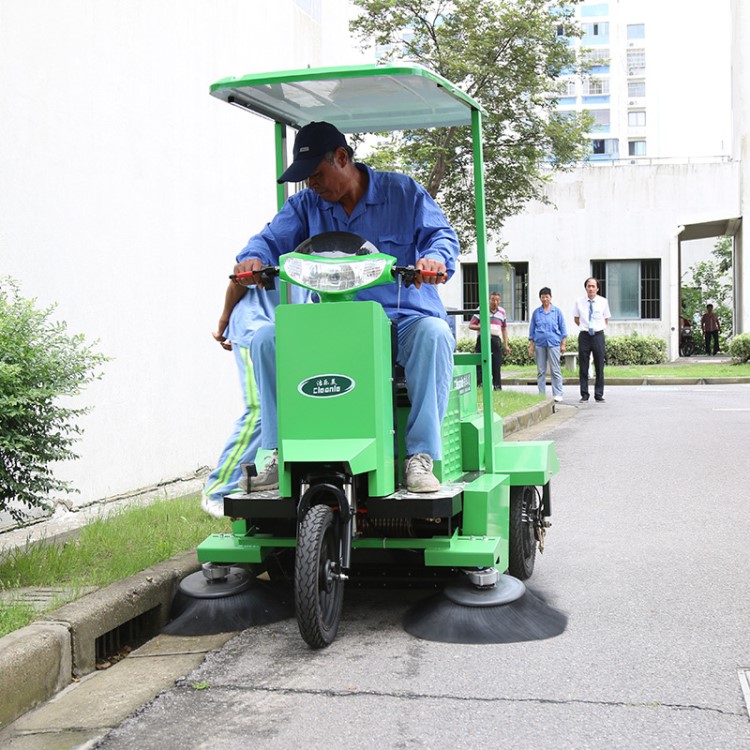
column 128, row 190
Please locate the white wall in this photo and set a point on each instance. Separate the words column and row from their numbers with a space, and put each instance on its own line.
column 128, row 190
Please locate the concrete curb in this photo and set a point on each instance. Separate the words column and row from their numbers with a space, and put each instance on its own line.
column 523, row 419
column 43, row 658
column 651, row 380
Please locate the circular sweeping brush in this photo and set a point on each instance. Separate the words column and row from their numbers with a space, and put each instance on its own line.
column 221, row 599
column 504, row 613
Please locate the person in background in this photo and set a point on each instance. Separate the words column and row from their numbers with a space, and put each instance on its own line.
column 591, row 314
column 498, row 328
column 711, row 327
column 547, row 337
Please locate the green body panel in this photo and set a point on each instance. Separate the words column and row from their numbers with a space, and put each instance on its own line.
column 532, row 462
column 472, row 438
column 487, row 506
column 469, row 552
column 354, row 427
column 466, row 551
column 228, row 548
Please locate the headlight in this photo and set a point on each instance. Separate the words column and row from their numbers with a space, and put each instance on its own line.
column 334, row 277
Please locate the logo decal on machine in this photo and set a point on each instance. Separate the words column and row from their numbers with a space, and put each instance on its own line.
column 326, row 386
column 462, row 383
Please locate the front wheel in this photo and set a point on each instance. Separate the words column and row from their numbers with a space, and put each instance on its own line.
column 318, row 585
column 525, row 511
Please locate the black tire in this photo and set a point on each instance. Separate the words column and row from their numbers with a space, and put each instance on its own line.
column 318, row 596
column 687, row 348
column 524, row 511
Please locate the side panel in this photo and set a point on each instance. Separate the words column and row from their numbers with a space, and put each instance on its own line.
column 334, row 383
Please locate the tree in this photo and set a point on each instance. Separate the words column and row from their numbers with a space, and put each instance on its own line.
column 712, row 283
column 39, row 363
column 508, row 55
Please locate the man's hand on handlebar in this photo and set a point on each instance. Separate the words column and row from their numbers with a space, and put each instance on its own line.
column 253, row 266
column 431, row 271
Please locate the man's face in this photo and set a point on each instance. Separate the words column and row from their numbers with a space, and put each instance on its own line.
column 545, row 299
column 591, row 288
column 494, row 302
column 329, row 180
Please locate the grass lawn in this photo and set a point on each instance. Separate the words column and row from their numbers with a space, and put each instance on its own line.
column 106, row 550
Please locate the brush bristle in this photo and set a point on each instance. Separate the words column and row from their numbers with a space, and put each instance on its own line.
column 259, row 605
column 526, row 619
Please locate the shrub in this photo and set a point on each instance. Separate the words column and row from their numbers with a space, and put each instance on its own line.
column 466, row 344
column 635, row 349
column 739, row 348
column 39, row 362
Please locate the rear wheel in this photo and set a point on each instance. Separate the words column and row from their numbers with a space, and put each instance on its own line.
column 318, row 587
column 525, row 512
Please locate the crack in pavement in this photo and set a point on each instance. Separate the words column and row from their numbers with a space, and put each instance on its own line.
column 405, row 695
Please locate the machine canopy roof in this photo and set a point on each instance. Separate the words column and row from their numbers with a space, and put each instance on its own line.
column 356, row 99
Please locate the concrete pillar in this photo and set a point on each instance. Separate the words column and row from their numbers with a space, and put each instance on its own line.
column 741, row 150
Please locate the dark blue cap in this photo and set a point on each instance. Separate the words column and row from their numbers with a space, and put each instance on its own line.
column 311, row 144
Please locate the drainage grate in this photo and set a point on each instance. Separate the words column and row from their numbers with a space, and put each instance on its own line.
column 130, row 634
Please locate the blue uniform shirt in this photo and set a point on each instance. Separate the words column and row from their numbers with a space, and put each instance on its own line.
column 395, row 214
column 547, row 329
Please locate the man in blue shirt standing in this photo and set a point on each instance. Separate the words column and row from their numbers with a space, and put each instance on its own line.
column 401, row 219
column 547, row 337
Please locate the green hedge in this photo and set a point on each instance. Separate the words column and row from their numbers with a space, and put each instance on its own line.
column 632, row 349
column 739, row 348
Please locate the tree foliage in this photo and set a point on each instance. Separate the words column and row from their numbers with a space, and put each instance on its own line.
column 508, row 55
column 711, row 284
column 39, row 363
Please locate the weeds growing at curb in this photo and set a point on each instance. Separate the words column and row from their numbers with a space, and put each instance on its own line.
column 107, row 550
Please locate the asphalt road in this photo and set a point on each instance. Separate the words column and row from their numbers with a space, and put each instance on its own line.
column 648, row 556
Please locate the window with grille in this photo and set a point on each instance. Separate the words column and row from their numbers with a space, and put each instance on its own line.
column 510, row 279
column 632, row 287
column 596, row 86
column 636, row 62
column 596, row 57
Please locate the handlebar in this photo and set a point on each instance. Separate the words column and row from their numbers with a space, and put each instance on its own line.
column 267, row 274
column 408, row 273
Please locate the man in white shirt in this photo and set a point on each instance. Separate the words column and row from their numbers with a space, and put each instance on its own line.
column 591, row 315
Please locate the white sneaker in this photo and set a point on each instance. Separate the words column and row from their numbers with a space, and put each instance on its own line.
column 213, row 507
column 558, row 399
column 418, row 476
column 268, row 477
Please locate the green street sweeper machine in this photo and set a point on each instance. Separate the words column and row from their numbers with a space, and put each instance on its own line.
column 339, row 513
